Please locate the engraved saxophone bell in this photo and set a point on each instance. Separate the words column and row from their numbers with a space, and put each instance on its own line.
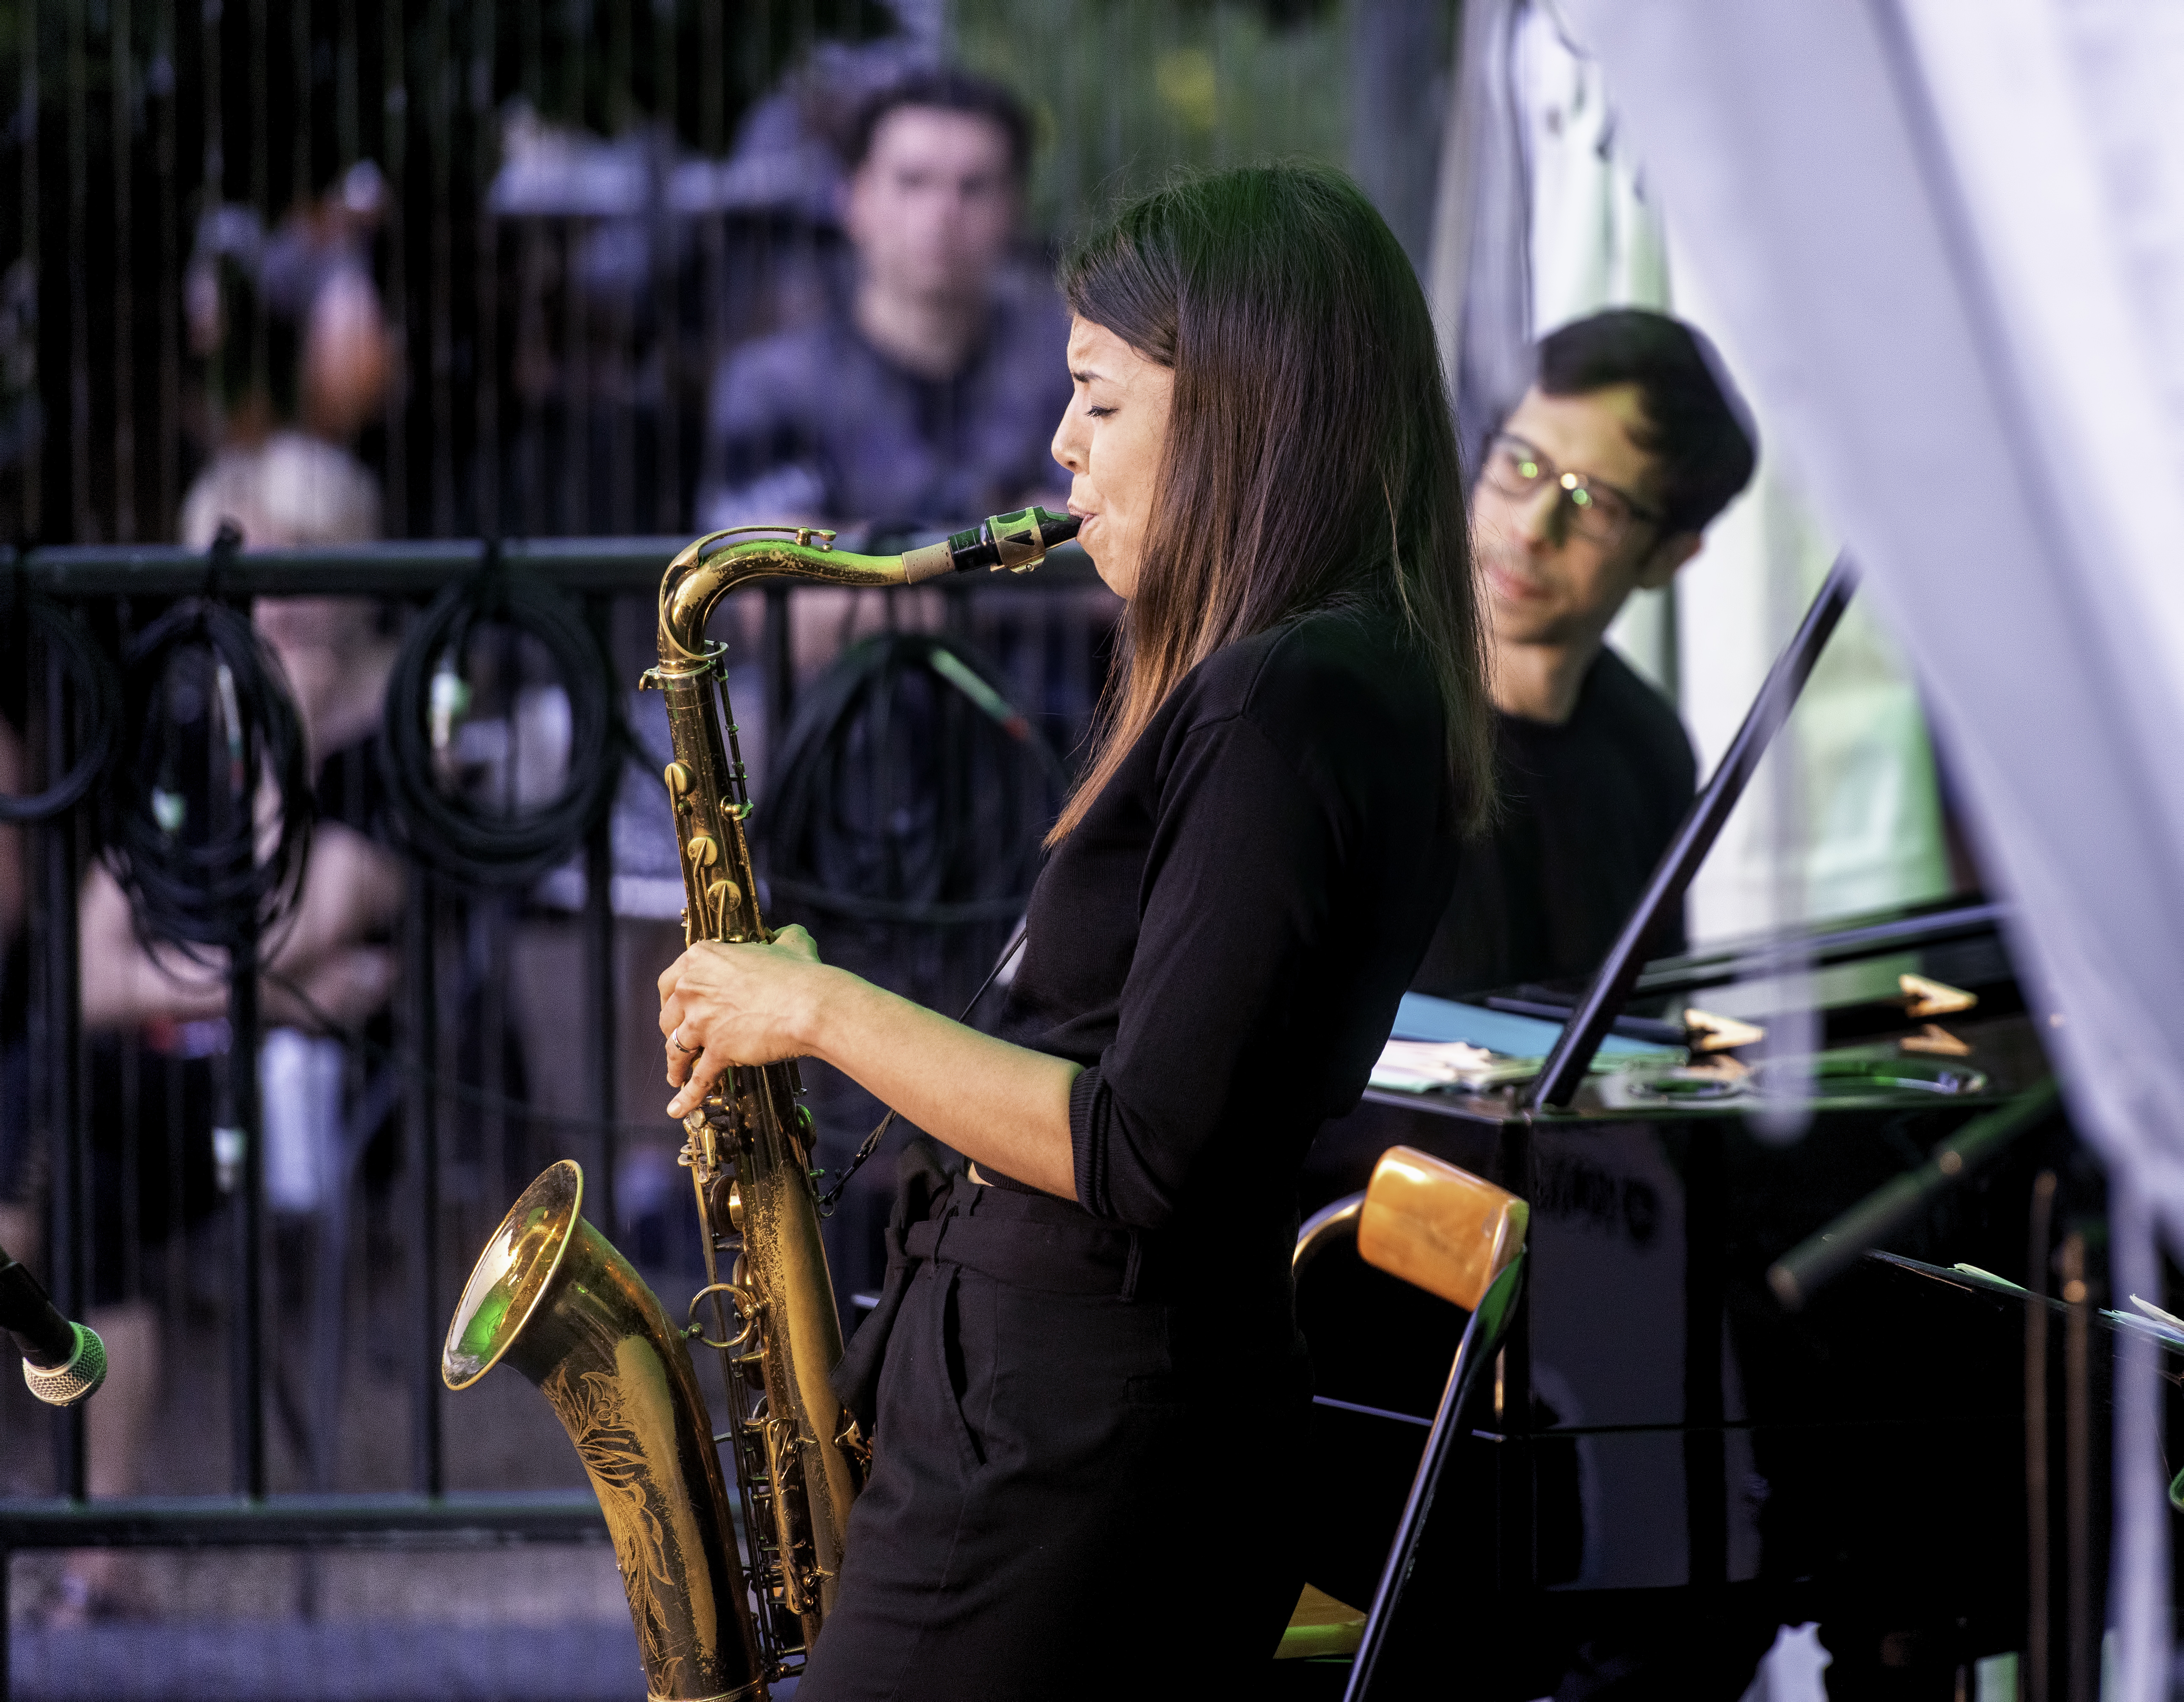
column 552, row 1298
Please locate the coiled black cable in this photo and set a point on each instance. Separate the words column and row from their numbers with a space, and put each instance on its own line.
column 98, row 697
column 477, row 846
column 886, row 808
column 207, row 722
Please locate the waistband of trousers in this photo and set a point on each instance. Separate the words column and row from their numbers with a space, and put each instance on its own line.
column 1049, row 1245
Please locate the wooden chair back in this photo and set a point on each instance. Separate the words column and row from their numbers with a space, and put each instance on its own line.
column 1438, row 1227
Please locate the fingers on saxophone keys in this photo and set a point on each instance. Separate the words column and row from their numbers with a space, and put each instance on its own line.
column 690, row 1095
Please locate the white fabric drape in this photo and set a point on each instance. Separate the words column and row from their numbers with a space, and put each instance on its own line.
column 1946, row 237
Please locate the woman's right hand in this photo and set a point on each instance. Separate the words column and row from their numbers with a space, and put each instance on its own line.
column 722, row 1004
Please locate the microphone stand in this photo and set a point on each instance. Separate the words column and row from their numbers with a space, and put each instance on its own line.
column 1825, row 1255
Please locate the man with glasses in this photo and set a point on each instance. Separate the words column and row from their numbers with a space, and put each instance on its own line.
column 1602, row 482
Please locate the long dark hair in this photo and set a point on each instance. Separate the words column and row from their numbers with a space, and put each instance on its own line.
column 1311, row 456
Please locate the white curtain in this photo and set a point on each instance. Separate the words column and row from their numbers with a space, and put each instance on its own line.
column 1948, row 239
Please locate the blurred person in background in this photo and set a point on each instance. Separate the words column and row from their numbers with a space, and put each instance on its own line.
column 299, row 319
column 1601, row 482
column 925, row 394
column 303, row 359
column 300, row 360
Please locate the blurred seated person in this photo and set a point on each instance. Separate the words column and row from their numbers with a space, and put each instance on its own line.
column 297, row 358
column 171, row 1007
column 927, row 397
column 1601, row 482
column 300, row 360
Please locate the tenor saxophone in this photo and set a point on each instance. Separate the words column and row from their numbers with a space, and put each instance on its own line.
column 555, row 1299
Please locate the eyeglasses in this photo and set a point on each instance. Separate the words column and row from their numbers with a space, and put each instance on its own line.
column 1594, row 510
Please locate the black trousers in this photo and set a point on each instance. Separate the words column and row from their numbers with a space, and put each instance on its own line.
column 1073, row 1494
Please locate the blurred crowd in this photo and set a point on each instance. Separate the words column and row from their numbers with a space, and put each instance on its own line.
column 916, row 391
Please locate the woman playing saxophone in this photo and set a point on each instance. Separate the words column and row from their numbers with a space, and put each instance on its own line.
column 1093, row 1388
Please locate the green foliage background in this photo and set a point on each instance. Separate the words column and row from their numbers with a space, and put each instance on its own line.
column 1124, row 92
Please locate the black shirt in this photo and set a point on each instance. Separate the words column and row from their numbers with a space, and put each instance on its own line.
column 1587, row 808
column 1223, row 940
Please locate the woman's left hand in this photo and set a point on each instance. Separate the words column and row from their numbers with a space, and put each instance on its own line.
column 722, row 1005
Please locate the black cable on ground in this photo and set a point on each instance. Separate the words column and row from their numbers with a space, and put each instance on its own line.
column 473, row 845
column 208, row 723
column 97, row 695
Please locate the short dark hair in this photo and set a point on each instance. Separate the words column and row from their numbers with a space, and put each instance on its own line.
column 947, row 90
column 1700, row 432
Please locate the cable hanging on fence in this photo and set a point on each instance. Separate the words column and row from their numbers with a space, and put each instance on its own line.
column 841, row 839
column 72, row 649
column 427, row 697
column 207, row 728
column 839, row 842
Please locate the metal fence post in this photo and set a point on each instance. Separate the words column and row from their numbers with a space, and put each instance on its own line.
column 604, row 1033
column 61, row 1012
column 419, row 970
column 247, row 1349
column 778, row 646
column 246, row 1321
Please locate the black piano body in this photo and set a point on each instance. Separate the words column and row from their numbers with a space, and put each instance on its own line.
column 1667, row 1452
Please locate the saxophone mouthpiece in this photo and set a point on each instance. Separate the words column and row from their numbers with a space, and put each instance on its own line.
column 1018, row 541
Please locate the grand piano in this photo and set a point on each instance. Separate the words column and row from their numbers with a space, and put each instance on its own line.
column 1707, row 1420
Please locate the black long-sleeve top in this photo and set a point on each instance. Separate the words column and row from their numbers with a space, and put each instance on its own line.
column 1223, row 940
column 1587, row 809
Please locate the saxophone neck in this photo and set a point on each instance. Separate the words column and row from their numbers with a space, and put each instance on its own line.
column 708, row 569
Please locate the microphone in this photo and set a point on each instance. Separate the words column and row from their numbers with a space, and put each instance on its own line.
column 63, row 1362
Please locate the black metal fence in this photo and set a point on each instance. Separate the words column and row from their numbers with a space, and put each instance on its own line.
column 294, row 1305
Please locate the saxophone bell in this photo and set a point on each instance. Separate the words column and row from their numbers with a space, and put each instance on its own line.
column 552, row 1298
